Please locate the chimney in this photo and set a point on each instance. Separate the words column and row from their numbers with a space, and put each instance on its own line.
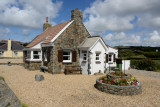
column 9, row 45
column 76, row 15
column 46, row 19
column 46, row 25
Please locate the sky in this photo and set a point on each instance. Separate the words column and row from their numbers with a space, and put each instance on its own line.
column 119, row 22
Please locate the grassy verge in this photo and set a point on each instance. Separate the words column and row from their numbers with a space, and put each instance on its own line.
column 24, row 105
column 2, row 78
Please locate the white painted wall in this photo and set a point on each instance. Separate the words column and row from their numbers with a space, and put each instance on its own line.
column 84, row 65
column 95, row 67
column 125, row 64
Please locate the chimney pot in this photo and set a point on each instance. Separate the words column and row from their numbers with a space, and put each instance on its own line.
column 46, row 19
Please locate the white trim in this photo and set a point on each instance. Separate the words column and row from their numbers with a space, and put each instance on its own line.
column 61, row 31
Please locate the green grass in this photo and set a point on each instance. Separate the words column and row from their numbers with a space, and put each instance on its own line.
column 158, row 71
column 157, row 65
column 24, row 105
column 2, row 78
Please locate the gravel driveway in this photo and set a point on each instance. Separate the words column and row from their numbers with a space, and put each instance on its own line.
column 61, row 90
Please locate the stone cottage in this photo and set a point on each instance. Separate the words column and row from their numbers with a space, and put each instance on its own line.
column 69, row 44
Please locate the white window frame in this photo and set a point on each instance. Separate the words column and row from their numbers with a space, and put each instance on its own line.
column 67, row 61
column 30, row 55
column 99, row 56
column 110, row 57
column 15, row 53
column 1, row 53
column 39, row 54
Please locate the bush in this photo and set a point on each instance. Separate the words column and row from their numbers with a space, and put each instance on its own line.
column 144, row 64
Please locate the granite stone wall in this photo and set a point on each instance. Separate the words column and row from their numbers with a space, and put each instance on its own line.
column 32, row 65
column 118, row 90
column 71, row 38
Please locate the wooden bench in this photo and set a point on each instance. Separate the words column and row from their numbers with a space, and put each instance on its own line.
column 72, row 69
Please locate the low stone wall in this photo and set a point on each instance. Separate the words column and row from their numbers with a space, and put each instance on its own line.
column 7, row 96
column 32, row 65
column 112, row 76
column 118, row 90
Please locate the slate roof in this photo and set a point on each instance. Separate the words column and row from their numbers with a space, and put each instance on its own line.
column 88, row 42
column 15, row 45
column 48, row 34
column 4, row 47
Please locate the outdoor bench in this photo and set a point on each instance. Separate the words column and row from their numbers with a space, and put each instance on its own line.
column 72, row 69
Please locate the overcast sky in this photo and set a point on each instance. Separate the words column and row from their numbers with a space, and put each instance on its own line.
column 119, row 22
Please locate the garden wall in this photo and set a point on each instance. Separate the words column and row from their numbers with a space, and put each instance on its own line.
column 118, row 90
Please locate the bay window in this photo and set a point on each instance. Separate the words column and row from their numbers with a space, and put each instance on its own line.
column 36, row 54
column 33, row 55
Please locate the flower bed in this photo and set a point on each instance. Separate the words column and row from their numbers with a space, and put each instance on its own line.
column 119, row 85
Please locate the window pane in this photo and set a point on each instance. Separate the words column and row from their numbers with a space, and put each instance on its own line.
column 66, row 53
column 36, row 57
column 66, row 58
column 35, row 52
column 97, row 58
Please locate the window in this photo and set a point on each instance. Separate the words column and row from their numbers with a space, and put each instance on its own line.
column 15, row 53
column 110, row 59
column 36, row 54
column 28, row 55
column 67, row 56
column 1, row 53
column 84, row 56
column 97, row 56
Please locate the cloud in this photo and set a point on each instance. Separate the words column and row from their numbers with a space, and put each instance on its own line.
column 27, row 13
column 152, row 39
column 117, row 15
column 122, row 39
column 4, row 33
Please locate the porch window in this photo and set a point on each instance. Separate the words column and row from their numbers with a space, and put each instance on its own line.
column 15, row 53
column 28, row 55
column 36, row 54
column 97, row 56
column 67, row 56
column 1, row 53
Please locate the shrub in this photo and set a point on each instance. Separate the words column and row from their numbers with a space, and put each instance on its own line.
column 144, row 64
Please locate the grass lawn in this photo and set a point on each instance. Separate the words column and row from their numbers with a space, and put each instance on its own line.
column 157, row 64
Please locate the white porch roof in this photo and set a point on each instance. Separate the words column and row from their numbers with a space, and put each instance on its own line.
column 89, row 42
